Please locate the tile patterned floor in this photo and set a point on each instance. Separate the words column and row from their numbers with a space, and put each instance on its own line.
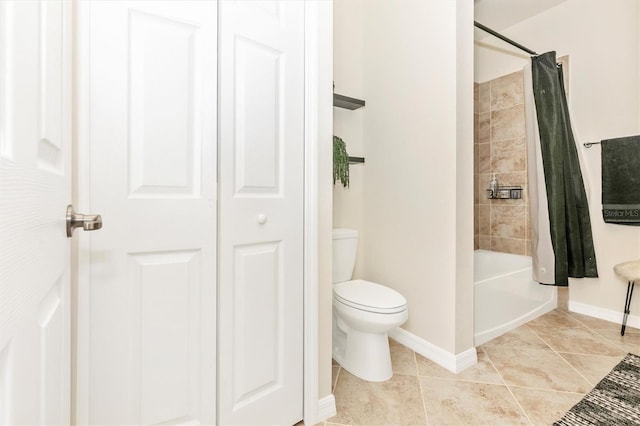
column 531, row 375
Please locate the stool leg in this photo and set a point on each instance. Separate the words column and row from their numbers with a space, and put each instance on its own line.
column 627, row 306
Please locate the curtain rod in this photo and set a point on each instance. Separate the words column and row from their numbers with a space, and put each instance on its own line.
column 503, row 38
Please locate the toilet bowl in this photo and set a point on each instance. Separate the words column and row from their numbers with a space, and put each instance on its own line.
column 363, row 313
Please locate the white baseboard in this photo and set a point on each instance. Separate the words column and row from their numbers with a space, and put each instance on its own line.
column 452, row 362
column 604, row 314
column 326, row 408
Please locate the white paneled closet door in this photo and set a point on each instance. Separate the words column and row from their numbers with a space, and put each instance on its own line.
column 35, row 188
column 261, row 212
column 147, row 138
column 150, row 120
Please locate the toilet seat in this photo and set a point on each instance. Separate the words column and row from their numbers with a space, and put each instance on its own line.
column 370, row 297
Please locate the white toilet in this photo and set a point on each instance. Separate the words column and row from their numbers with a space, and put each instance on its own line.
column 363, row 313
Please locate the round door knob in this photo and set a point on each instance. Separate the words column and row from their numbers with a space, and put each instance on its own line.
column 262, row 218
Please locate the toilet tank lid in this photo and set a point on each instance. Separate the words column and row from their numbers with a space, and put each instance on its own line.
column 339, row 233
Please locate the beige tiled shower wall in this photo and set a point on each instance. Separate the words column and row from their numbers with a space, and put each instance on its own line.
column 499, row 136
column 500, row 148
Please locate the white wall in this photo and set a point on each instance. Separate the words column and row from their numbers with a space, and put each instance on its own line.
column 349, row 80
column 418, row 155
column 464, row 178
column 325, row 155
column 603, row 43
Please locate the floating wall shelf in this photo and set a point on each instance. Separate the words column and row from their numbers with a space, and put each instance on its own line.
column 346, row 102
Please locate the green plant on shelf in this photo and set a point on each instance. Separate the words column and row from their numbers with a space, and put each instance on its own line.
column 340, row 162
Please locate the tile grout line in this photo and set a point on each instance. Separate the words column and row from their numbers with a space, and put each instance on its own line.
column 561, row 357
column 568, row 313
column 522, row 104
column 450, row 379
column 546, row 390
column 526, row 415
column 335, row 383
column 595, row 330
column 333, row 388
column 490, row 162
column 424, row 404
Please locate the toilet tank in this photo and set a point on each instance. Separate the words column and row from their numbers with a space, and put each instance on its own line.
column 345, row 246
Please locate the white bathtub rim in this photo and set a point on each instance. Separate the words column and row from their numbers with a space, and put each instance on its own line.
column 494, row 277
column 547, row 303
column 487, row 335
column 503, row 273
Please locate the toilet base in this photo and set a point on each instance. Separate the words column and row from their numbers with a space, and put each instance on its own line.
column 365, row 355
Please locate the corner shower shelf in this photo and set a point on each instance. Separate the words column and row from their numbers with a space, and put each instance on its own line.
column 506, row 193
column 356, row 160
column 346, row 102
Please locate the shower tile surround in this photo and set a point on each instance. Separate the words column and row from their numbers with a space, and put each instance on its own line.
column 499, row 142
column 500, row 148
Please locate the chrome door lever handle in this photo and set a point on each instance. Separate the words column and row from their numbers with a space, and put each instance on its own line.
column 88, row 222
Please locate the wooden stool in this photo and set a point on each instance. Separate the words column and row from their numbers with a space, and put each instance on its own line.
column 631, row 272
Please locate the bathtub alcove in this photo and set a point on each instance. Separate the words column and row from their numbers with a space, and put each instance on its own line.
column 505, row 295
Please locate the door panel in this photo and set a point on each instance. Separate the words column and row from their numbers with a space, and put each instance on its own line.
column 52, row 322
column 261, row 208
column 35, row 149
column 258, row 290
column 165, row 286
column 164, row 115
column 50, row 74
column 258, row 123
column 149, row 337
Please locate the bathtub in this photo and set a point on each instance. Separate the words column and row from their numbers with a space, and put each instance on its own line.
column 504, row 294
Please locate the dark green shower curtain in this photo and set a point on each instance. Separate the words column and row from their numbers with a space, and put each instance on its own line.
column 568, row 209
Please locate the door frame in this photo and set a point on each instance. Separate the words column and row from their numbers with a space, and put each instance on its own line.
column 318, row 126
column 310, row 215
column 317, row 123
column 81, row 195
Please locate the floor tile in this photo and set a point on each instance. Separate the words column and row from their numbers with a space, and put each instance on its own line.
column 578, row 341
column 302, row 423
column 593, row 367
column 395, row 402
column 451, row 402
column 482, row 372
column 543, row 407
column 630, row 342
column 595, row 323
column 403, row 359
column 554, row 319
column 534, row 373
column 536, row 369
column 522, row 337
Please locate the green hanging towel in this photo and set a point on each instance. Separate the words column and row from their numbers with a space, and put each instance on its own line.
column 621, row 180
column 569, row 219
